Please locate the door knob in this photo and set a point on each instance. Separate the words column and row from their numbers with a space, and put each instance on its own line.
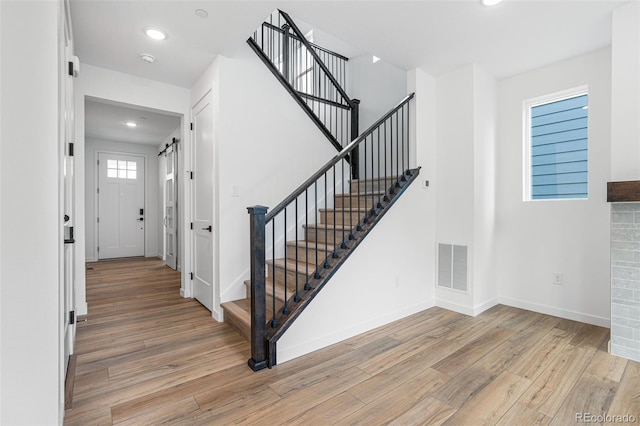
column 208, row 228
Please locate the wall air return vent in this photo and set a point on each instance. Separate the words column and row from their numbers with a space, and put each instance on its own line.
column 452, row 266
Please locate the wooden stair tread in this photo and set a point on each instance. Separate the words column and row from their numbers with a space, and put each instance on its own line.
column 291, row 265
column 328, row 226
column 394, row 178
column 346, row 209
column 279, row 293
column 237, row 313
column 304, row 244
column 361, row 194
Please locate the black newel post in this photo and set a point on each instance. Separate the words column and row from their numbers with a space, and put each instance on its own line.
column 355, row 132
column 258, row 359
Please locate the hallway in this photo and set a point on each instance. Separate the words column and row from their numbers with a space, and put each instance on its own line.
column 142, row 338
column 146, row 356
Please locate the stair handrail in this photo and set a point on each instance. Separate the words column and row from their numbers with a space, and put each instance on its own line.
column 341, row 155
column 263, row 341
column 316, row 57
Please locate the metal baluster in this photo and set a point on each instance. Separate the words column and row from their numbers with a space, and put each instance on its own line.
column 343, row 244
column 379, row 155
column 285, row 309
column 326, row 225
column 364, row 181
column 306, row 238
column 391, row 147
column 316, row 275
column 274, row 322
column 408, row 138
column 397, row 146
column 403, row 141
column 296, row 298
column 335, row 253
column 385, row 154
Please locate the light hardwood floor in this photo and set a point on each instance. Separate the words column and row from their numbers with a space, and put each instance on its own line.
column 147, row 356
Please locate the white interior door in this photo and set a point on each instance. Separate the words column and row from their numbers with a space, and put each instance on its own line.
column 203, row 248
column 170, row 219
column 120, row 206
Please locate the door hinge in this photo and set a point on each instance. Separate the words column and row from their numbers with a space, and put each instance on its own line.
column 70, row 151
column 191, row 275
column 191, row 126
column 98, row 219
column 72, row 317
column 98, row 190
column 71, row 68
column 98, row 161
column 191, row 226
column 98, row 248
column 191, row 175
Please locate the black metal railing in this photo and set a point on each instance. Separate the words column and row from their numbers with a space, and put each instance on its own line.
column 314, row 76
column 306, row 237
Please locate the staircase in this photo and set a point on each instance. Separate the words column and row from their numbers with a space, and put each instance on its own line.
column 315, row 252
column 300, row 244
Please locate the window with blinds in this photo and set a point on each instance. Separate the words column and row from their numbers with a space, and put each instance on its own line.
column 558, row 146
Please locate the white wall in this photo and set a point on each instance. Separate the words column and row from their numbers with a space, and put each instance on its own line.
column 455, row 173
column 380, row 86
column 31, row 224
column 265, row 144
column 465, row 182
column 152, row 212
column 539, row 238
column 115, row 86
column 484, row 285
column 625, row 86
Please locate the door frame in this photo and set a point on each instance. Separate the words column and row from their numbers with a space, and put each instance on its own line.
column 96, row 204
column 217, row 313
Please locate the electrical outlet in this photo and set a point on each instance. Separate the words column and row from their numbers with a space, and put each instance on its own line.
column 235, row 191
column 557, row 278
column 425, row 183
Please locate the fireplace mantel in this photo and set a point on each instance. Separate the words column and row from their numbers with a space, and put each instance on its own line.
column 623, row 192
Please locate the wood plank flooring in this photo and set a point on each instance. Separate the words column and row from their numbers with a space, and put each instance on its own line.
column 146, row 356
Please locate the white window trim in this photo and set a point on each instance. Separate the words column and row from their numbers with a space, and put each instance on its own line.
column 527, row 105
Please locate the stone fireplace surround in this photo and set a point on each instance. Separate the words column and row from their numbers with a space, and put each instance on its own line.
column 625, row 268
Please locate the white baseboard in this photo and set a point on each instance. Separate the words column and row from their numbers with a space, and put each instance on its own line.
column 82, row 309
column 466, row 310
column 287, row 354
column 556, row 312
column 90, row 259
column 218, row 315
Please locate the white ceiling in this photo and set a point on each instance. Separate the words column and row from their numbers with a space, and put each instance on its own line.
column 437, row 35
column 105, row 120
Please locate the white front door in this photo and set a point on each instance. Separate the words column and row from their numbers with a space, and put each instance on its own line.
column 170, row 218
column 203, row 202
column 120, row 206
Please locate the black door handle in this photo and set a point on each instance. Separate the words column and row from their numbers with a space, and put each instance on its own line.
column 208, row 228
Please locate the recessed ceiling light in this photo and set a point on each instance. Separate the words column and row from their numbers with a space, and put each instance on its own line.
column 201, row 13
column 155, row 33
column 490, row 2
column 148, row 58
column 131, row 124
